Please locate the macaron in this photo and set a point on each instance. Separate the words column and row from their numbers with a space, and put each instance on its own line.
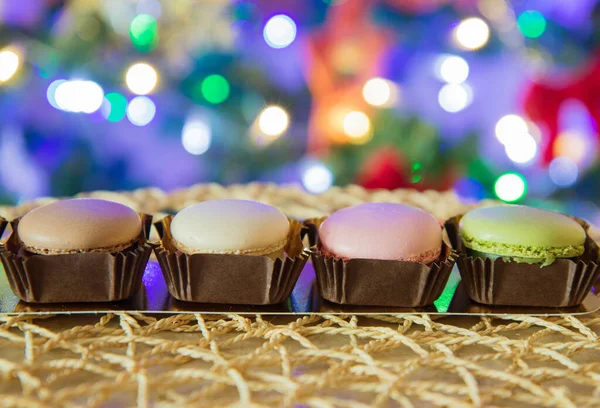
column 385, row 231
column 521, row 233
column 79, row 225
column 240, row 227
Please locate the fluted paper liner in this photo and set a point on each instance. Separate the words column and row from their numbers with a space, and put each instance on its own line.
column 81, row 277
column 374, row 282
column 564, row 283
column 230, row 278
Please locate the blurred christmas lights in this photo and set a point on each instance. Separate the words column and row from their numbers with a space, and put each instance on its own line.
column 141, row 110
column 472, row 33
column 563, row 171
column 280, row 31
column 141, row 78
column 531, row 23
column 143, row 32
column 509, row 127
column 273, row 121
column 51, row 92
column 215, row 89
column 114, row 107
column 9, row 64
column 510, row 187
column 452, row 69
column 78, row 96
column 196, row 136
column 521, row 149
column 455, row 97
column 379, row 92
column 316, row 178
column 357, row 125
column 571, row 144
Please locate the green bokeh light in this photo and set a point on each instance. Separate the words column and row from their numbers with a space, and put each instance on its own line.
column 143, row 32
column 510, row 187
column 215, row 89
column 531, row 23
column 118, row 106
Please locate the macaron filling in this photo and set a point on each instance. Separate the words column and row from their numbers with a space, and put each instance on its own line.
column 276, row 248
column 520, row 253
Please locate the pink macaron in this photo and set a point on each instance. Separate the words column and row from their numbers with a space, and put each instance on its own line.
column 385, row 231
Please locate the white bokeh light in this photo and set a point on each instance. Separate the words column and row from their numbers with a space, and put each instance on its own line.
column 563, row 171
column 452, row 69
column 455, row 97
column 273, row 121
column 510, row 187
column 141, row 78
column 76, row 96
column 196, row 136
column 317, row 178
column 356, row 124
column 472, row 33
column 280, row 31
column 521, row 149
column 51, row 92
column 379, row 92
column 510, row 127
column 9, row 63
column 141, row 110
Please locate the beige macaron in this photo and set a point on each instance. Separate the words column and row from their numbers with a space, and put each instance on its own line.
column 79, row 225
column 238, row 227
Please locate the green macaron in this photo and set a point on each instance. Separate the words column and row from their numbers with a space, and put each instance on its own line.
column 521, row 234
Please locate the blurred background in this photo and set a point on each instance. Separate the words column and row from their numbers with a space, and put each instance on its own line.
column 485, row 97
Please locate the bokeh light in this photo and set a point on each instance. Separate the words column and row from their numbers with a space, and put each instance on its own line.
column 143, row 32
column 455, row 97
column 273, row 121
column 141, row 78
column 531, row 23
column 9, row 64
column 571, row 144
column 563, row 171
column 379, row 92
column 452, row 69
column 522, row 149
column 509, row 127
column 510, row 187
column 51, row 92
column 114, row 107
column 472, row 33
column 141, row 110
column 356, row 124
column 215, row 89
column 317, row 178
column 79, row 96
column 280, row 31
column 196, row 136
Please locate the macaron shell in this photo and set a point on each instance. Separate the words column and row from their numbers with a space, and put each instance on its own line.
column 385, row 231
column 230, row 226
column 79, row 224
column 521, row 226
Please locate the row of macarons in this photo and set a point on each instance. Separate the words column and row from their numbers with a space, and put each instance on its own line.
column 245, row 252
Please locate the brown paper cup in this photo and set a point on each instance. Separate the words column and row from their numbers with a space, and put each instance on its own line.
column 565, row 283
column 82, row 277
column 234, row 279
column 374, row 282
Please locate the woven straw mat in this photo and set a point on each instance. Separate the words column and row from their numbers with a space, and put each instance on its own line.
column 198, row 360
